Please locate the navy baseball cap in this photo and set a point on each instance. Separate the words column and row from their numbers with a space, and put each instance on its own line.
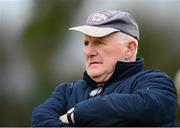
column 103, row 23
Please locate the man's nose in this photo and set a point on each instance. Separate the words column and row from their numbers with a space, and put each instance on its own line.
column 90, row 51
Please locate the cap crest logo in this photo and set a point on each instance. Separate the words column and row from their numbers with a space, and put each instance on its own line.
column 98, row 17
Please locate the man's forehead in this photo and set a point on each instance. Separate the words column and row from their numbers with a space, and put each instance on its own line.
column 91, row 38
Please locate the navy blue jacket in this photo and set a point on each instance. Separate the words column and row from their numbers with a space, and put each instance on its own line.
column 132, row 97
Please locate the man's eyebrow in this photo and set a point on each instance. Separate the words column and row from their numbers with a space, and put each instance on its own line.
column 101, row 39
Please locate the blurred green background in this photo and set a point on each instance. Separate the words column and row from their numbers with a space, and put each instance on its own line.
column 37, row 52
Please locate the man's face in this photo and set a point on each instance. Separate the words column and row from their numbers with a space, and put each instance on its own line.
column 101, row 56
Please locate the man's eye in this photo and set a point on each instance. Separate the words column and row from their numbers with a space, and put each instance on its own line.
column 86, row 43
column 99, row 42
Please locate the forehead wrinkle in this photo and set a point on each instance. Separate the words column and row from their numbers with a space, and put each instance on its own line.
column 91, row 39
column 96, row 39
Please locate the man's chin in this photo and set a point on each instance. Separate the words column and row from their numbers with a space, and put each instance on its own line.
column 96, row 76
column 94, row 73
column 99, row 76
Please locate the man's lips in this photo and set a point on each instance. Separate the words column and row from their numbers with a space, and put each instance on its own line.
column 91, row 63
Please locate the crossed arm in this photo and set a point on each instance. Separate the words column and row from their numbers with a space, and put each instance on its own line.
column 108, row 110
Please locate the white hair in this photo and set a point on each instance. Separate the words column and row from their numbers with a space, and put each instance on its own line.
column 125, row 38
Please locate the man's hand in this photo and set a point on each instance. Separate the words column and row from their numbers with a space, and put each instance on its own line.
column 64, row 119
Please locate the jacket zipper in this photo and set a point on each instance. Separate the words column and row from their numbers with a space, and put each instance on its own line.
column 96, row 91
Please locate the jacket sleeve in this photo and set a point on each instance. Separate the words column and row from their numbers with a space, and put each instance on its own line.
column 47, row 114
column 148, row 103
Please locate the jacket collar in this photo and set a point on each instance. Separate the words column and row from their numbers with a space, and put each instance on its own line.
column 123, row 70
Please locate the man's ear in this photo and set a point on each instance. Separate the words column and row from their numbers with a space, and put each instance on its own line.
column 130, row 50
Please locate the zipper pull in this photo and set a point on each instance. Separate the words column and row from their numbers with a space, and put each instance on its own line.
column 96, row 91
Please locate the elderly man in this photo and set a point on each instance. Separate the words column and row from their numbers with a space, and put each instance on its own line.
column 115, row 90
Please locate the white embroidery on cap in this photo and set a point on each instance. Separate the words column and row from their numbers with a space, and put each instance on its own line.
column 98, row 17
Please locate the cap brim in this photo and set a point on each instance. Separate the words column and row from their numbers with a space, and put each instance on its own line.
column 94, row 31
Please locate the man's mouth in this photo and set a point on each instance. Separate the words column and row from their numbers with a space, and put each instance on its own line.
column 92, row 63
